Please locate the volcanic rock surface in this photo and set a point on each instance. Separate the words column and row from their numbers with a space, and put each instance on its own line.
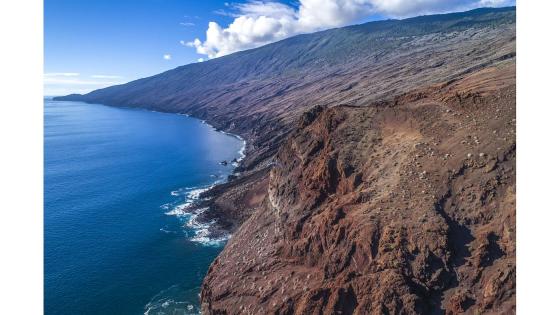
column 401, row 207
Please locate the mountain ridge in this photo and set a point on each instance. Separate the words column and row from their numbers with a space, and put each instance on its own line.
column 429, row 22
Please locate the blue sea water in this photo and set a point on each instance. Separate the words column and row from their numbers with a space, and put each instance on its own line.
column 113, row 179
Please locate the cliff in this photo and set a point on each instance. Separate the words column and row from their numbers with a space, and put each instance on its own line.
column 400, row 207
column 380, row 171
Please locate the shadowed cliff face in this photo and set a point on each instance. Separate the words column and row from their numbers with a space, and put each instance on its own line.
column 401, row 207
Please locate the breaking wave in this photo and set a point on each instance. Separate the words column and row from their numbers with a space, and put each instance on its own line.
column 170, row 302
column 195, row 230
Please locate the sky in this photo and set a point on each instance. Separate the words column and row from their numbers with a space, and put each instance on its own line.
column 94, row 44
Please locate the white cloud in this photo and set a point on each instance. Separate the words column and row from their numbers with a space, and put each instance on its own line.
column 58, row 91
column 76, row 81
column 61, row 74
column 72, row 78
column 495, row 3
column 187, row 24
column 105, row 76
column 167, row 57
column 257, row 23
column 200, row 59
column 62, row 83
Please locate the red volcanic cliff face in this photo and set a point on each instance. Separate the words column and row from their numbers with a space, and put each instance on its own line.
column 405, row 206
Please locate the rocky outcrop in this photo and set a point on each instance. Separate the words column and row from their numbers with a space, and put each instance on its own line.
column 401, row 207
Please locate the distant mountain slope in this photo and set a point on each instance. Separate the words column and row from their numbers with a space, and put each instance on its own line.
column 296, row 54
column 265, row 89
column 299, row 53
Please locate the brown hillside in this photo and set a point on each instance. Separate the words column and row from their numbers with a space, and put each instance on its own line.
column 400, row 207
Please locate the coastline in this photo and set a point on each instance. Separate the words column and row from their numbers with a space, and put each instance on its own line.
column 155, row 160
column 199, row 213
column 194, row 212
column 229, row 201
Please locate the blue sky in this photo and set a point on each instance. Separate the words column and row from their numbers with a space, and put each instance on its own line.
column 122, row 38
column 91, row 44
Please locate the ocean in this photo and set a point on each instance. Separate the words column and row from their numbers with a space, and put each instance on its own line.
column 115, row 240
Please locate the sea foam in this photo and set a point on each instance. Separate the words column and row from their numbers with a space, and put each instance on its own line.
column 183, row 210
column 196, row 231
column 167, row 302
